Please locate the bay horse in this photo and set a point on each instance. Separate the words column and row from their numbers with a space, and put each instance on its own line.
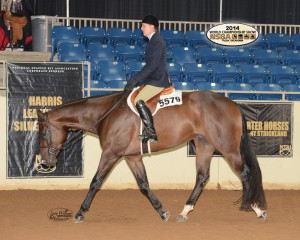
column 211, row 120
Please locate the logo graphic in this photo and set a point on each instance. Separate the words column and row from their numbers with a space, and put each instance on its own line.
column 60, row 214
column 233, row 34
column 285, row 150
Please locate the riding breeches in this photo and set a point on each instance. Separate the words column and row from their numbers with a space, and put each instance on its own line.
column 147, row 93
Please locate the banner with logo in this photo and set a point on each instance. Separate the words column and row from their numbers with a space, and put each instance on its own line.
column 33, row 87
column 270, row 127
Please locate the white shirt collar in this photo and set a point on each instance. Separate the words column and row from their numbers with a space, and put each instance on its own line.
column 150, row 36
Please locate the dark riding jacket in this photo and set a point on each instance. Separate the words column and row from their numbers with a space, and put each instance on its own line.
column 155, row 71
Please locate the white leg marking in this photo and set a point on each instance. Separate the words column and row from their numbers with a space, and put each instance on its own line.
column 260, row 213
column 186, row 210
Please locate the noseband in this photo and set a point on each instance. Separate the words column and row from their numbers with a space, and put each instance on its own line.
column 52, row 151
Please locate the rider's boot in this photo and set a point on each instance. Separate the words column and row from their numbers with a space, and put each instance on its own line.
column 146, row 116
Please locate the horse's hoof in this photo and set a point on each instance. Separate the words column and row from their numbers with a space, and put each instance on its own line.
column 165, row 216
column 79, row 218
column 263, row 216
column 182, row 218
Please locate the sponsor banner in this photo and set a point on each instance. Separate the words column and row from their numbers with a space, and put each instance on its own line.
column 232, row 34
column 270, row 127
column 33, row 87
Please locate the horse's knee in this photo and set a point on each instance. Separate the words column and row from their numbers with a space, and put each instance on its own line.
column 144, row 187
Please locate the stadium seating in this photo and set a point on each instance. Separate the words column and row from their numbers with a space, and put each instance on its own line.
column 71, row 52
column 259, row 43
column 139, row 38
column 292, row 88
column 184, row 86
column 182, row 55
column 210, row 55
column 281, row 74
column 268, row 87
column 295, row 41
column 265, row 57
column 173, row 38
column 196, row 39
column 208, row 86
column 117, row 36
column 111, row 71
column 133, row 67
column 224, row 73
column 290, row 57
column 92, row 35
column 127, row 53
column 253, row 73
column 237, row 56
column 62, row 34
column 100, row 52
column 240, row 87
column 116, row 84
column 278, row 41
column 196, row 72
column 175, row 71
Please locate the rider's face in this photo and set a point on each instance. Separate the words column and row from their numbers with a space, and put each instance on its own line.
column 147, row 29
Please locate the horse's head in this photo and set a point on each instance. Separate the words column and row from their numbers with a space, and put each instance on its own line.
column 51, row 138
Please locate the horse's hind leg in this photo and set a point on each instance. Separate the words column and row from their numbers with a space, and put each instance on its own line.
column 105, row 165
column 137, row 166
column 204, row 151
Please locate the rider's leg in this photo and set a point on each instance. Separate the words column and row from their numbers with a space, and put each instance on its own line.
column 145, row 94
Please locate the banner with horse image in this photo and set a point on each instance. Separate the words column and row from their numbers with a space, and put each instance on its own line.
column 33, row 87
column 270, row 127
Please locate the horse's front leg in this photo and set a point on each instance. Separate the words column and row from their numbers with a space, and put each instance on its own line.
column 105, row 165
column 137, row 166
column 204, row 153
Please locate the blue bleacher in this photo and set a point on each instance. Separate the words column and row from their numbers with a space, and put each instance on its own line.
column 224, row 73
column 292, row 88
column 184, row 86
column 111, row 71
column 133, row 67
column 253, row 73
column 173, row 38
column 281, row 74
column 212, row 86
column 265, row 57
column 210, row 55
column 183, row 55
column 240, row 87
column 237, row 56
column 196, row 39
column 127, row 53
column 290, row 57
column 278, row 41
column 268, row 87
column 100, row 52
column 62, row 34
column 175, row 71
column 196, row 72
column 117, row 36
column 92, row 35
column 71, row 52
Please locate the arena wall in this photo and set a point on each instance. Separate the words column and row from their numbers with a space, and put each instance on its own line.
column 170, row 169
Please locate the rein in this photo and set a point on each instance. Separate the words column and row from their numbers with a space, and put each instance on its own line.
column 52, row 150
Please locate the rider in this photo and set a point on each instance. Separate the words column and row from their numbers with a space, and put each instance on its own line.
column 154, row 75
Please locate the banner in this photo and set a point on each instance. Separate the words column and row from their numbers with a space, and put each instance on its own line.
column 270, row 128
column 33, row 87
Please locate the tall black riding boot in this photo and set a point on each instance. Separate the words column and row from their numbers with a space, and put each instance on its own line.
column 146, row 116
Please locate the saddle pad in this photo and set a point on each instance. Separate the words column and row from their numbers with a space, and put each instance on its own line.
column 166, row 100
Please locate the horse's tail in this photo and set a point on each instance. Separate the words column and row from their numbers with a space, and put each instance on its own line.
column 253, row 192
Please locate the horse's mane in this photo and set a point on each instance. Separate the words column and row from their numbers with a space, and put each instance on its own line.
column 99, row 98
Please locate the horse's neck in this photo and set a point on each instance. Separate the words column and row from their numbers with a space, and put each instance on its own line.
column 85, row 114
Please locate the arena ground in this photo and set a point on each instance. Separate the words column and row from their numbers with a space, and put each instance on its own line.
column 127, row 214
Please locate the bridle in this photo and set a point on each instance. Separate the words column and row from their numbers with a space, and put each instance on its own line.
column 53, row 151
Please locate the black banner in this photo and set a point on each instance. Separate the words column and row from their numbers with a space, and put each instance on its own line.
column 270, row 127
column 33, row 87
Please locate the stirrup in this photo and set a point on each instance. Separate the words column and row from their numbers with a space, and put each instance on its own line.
column 145, row 137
